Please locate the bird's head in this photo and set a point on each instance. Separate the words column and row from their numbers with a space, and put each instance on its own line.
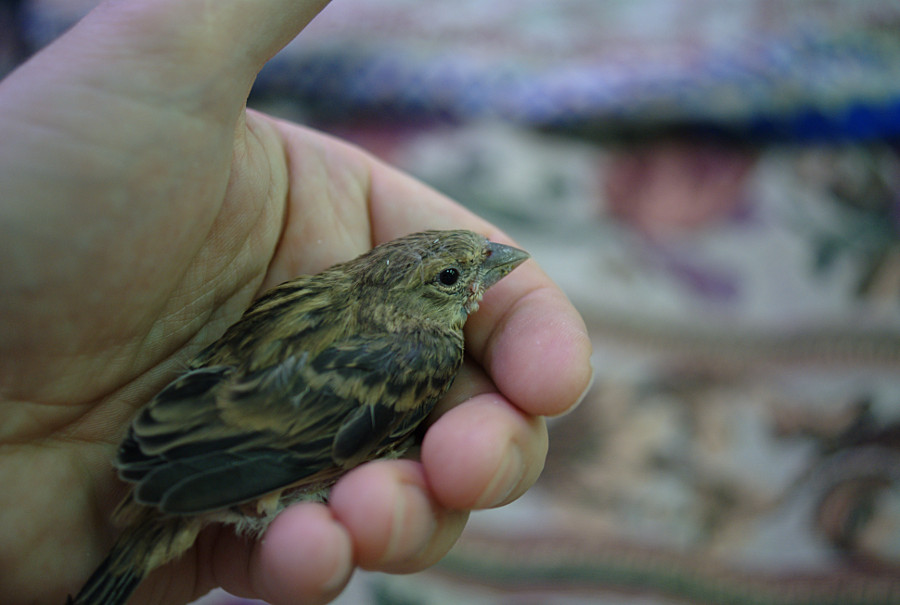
column 437, row 276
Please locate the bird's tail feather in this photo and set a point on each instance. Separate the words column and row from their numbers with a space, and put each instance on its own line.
column 149, row 542
column 107, row 586
column 114, row 579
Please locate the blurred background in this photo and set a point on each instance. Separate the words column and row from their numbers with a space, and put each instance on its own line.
column 716, row 185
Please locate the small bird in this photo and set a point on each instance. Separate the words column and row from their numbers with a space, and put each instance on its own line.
column 319, row 375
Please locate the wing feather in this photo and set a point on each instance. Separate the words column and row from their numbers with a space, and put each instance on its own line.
column 219, row 436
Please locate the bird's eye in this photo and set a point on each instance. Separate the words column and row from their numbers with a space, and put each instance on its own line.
column 448, row 277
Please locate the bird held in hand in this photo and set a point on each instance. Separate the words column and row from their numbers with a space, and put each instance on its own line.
column 321, row 374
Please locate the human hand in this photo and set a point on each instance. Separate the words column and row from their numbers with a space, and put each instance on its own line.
column 143, row 209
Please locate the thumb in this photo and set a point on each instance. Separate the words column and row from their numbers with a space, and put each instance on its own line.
column 197, row 52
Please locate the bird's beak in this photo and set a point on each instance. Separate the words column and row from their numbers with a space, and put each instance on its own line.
column 500, row 261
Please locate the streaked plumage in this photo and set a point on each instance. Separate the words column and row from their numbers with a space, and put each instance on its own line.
column 320, row 374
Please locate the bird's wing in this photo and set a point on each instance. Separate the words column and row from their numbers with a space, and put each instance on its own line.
column 216, row 437
column 395, row 382
column 213, row 439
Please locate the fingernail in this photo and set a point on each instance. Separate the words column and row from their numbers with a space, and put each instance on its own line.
column 584, row 393
column 587, row 389
column 412, row 527
column 342, row 569
column 505, row 480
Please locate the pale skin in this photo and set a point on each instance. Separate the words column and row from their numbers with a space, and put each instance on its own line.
column 142, row 209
